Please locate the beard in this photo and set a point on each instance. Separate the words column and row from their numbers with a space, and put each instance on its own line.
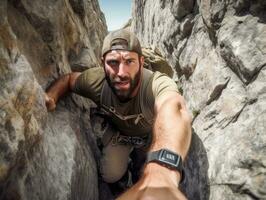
column 124, row 95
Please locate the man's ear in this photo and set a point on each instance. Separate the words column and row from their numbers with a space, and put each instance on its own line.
column 142, row 61
column 102, row 59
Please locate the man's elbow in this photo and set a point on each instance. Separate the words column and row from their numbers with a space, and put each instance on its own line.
column 182, row 109
column 175, row 105
column 178, row 102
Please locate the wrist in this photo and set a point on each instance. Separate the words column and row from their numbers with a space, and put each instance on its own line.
column 169, row 160
column 157, row 171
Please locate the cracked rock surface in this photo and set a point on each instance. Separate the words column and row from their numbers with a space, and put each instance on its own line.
column 217, row 50
column 46, row 155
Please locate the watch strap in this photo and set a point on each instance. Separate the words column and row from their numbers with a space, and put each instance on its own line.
column 152, row 156
column 158, row 157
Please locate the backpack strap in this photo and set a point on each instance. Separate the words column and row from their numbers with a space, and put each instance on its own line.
column 146, row 95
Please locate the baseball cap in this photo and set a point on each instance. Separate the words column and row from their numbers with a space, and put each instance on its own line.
column 121, row 39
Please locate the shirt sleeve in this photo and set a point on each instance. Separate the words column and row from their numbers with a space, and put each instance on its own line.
column 89, row 84
column 161, row 84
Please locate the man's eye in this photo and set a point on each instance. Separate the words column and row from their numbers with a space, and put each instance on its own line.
column 128, row 62
column 112, row 62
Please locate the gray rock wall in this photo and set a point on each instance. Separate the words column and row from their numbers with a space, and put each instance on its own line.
column 217, row 50
column 46, row 155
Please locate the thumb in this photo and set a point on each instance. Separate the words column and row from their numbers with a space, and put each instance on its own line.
column 49, row 102
column 46, row 97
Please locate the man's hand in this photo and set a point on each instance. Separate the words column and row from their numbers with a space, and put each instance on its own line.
column 157, row 183
column 60, row 87
column 49, row 102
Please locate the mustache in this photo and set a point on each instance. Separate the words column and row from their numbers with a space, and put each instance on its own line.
column 119, row 79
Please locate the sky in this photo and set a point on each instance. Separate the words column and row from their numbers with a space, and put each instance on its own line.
column 117, row 12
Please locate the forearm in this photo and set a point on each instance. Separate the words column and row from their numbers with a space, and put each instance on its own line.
column 172, row 128
column 58, row 88
column 61, row 86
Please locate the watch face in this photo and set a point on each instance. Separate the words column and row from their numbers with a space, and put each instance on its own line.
column 169, row 157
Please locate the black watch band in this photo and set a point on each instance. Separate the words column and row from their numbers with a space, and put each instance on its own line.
column 167, row 158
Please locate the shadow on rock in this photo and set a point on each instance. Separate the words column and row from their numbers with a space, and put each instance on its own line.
column 196, row 183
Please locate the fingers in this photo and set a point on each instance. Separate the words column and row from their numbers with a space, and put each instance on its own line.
column 46, row 97
column 49, row 102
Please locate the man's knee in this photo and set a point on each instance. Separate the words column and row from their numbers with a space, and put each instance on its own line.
column 112, row 176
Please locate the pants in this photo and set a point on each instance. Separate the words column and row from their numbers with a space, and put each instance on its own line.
column 114, row 161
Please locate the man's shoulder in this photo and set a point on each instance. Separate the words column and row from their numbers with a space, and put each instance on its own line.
column 90, row 83
column 154, row 75
column 160, row 83
column 93, row 74
column 94, row 70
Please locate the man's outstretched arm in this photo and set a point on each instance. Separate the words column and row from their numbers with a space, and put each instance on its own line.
column 172, row 130
column 172, row 127
column 60, row 87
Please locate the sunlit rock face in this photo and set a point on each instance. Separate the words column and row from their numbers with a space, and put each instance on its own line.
column 217, row 50
column 46, row 155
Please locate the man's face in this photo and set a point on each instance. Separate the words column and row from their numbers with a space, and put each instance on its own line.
column 123, row 72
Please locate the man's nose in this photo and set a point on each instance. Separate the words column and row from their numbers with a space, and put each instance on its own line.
column 122, row 70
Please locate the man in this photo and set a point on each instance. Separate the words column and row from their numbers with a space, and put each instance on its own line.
column 140, row 105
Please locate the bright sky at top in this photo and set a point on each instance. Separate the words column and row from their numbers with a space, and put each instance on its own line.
column 117, row 12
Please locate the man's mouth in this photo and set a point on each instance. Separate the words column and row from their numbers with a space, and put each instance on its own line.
column 122, row 85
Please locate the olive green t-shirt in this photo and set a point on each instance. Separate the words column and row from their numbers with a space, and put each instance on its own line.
column 91, row 82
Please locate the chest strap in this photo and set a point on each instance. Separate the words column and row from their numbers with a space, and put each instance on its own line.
column 120, row 116
column 135, row 141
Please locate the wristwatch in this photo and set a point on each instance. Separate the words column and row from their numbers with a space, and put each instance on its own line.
column 167, row 158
